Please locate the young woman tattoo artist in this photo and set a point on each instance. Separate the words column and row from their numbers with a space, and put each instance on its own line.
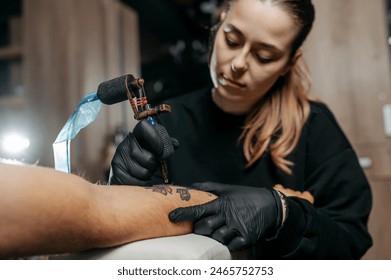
column 254, row 129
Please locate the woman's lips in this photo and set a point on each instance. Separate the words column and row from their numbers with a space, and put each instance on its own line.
column 225, row 81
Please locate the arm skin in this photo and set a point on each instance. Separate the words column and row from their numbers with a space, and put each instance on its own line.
column 292, row 193
column 43, row 211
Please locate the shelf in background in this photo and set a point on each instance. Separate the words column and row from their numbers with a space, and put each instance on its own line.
column 10, row 53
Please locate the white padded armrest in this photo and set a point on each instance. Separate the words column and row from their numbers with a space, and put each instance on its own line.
column 186, row 247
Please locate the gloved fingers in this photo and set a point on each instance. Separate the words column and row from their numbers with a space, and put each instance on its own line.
column 212, row 187
column 120, row 175
column 131, row 160
column 239, row 243
column 175, row 143
column 224, row 235
column 195, row 213
column 142, row 158
column 148, row 137
column 129, row 150
column 208, row 225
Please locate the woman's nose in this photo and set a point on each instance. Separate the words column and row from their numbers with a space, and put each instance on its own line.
column 239, row 62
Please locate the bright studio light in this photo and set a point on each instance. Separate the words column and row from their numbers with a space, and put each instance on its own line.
column 14, row 143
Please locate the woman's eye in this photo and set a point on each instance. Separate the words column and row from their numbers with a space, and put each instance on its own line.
column 263, row 60
column 231, row 43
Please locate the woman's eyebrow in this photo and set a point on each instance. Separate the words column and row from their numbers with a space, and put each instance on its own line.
column 270, row 47
column 232, row 28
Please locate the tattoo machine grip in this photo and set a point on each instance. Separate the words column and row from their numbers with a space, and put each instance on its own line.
column 127, row 87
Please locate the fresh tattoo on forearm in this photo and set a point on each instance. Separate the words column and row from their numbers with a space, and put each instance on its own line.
column 184, row 193
column 161, row 189
column 164, row 189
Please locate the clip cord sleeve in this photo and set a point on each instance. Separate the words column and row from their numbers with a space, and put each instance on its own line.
column 85, row 113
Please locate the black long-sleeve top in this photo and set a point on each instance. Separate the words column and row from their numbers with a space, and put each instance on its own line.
column 325, row 164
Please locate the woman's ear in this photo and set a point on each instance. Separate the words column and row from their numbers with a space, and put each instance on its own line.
column 297, row 55
column 292, row 62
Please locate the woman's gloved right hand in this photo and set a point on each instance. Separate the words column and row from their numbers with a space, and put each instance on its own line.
column 138, row 156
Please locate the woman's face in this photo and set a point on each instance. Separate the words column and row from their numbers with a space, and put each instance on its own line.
column 251, row 51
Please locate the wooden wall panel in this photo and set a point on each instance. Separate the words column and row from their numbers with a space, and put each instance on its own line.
column 348, row 56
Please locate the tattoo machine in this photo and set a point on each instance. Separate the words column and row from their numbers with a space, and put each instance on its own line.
column 129, row 88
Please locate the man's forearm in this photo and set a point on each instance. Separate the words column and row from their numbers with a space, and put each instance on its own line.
column 147, row 208
column 43, row 211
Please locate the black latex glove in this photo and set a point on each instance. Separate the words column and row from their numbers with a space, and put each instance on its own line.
column 239, row 217
column 138, row 156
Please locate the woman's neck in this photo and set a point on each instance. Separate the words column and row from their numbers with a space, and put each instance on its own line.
column 228, row 106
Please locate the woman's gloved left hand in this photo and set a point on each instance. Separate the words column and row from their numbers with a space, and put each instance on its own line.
column 239, row 217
